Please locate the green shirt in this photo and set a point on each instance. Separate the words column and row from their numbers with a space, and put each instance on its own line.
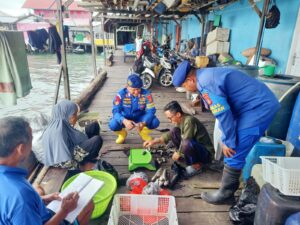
column 192, row 128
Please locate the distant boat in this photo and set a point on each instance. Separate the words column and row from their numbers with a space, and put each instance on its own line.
column 78, row 50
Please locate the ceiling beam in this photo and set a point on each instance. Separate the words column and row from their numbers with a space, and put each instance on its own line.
column 124, row 18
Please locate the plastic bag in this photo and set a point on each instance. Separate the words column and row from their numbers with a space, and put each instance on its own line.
column 244, row 211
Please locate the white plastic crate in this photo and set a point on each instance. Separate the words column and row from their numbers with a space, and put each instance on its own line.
column 282, row 173
column 130, row 209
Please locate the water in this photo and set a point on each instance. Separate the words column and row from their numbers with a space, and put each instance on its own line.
column 44, row 72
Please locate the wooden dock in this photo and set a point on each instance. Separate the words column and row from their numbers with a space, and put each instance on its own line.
column 191, row 210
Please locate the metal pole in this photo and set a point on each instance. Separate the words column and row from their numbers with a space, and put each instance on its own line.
column 260, row 32
column 63, row 50
column 93, row 48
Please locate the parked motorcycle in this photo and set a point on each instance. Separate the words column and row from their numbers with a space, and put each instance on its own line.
column 155, row 68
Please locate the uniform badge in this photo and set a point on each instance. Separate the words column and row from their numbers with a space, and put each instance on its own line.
column 149, row 97
column 129, row 83
column 117, row 100
column 207, row 98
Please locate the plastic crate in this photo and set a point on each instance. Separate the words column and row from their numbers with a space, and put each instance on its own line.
column 282, row 173
column 143, row 210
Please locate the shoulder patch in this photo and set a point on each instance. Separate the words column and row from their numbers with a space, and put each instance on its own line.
column 150, row 99
column 217, row 104
column 117, row 100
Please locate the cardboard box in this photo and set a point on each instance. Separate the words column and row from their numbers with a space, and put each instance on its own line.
column 218, row 34
column 217, row 47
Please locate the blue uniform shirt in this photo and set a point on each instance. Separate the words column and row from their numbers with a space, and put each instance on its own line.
column 125, row 105
column 237, row 100
column 19, row 202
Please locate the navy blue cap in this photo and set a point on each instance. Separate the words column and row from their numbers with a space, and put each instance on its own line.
column 134, row 81
column 180, row 73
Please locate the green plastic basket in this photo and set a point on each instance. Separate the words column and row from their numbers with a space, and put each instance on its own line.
column 104, row 195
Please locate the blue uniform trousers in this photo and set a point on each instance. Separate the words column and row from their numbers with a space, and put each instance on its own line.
column 246, row 139
column 114, row 125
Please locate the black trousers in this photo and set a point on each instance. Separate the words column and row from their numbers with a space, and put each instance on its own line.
column 93, row 144
column 193, row 151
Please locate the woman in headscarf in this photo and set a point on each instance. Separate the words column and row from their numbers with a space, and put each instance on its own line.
column 66, row 147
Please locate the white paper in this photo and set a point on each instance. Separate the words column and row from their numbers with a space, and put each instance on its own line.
column 86, row 186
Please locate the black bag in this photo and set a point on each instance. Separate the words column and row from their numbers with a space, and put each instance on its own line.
column 138, row 66
column 273, row 17
column 244, row 211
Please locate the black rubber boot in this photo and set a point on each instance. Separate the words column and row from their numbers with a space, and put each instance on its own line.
column 229, row 184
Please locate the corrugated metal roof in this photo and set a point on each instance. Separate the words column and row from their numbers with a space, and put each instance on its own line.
column 5, row 18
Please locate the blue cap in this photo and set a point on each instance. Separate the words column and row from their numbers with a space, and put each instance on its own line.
column 134, row 81
column 180, row 73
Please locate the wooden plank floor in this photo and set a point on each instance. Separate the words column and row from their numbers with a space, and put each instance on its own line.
column 191, row 210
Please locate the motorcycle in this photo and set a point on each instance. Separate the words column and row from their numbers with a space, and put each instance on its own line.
column 155, row 68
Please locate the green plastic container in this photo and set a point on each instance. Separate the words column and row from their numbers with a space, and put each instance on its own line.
column 104, row 195
column 269, row 70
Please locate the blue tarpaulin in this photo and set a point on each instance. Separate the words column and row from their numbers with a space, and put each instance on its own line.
column 129, row 48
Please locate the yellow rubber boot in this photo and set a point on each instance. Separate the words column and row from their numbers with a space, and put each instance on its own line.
column 145, row 134
column 122, row 134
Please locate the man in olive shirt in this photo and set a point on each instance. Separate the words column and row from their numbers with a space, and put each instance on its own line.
column 189, row 136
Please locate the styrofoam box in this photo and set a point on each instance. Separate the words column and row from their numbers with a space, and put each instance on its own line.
column 218, row 34
column 217, row 47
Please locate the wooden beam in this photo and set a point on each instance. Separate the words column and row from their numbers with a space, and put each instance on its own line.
column 63, row 50
column 87, row 94
column 93, row 49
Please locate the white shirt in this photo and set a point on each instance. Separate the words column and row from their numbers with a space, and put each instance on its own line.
column 138, row 44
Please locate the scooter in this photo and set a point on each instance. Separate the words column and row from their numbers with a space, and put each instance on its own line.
column 155, row 68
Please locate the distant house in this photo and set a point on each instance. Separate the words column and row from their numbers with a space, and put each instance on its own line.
column 45, row 11
column 7, row 22
column 74, row 16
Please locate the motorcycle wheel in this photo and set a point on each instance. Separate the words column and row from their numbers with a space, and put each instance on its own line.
column 147, row 80
column 165, row 79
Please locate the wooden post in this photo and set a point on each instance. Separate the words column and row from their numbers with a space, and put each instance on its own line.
column 261, row 30
column 63, row 50
column 58, row 85
column 201, row 20
column 104, row 53
column 94, row 62
column 202, row 17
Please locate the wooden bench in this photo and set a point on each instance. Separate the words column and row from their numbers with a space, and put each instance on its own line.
column 49, row 178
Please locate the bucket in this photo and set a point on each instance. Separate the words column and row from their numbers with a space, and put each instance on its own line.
column 269, row 70
column 104, row 195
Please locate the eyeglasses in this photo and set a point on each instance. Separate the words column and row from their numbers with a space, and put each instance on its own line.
column 171, row 117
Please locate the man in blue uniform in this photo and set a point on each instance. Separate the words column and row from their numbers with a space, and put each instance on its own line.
column 20, row 204
column 244, row 107
column 133, row 107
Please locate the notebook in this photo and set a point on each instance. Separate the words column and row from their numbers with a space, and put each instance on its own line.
column 86, row 186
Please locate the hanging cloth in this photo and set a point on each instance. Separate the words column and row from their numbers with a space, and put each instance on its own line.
column 15, row 79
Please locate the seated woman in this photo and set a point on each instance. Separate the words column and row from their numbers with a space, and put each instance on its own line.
column 66, row 147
